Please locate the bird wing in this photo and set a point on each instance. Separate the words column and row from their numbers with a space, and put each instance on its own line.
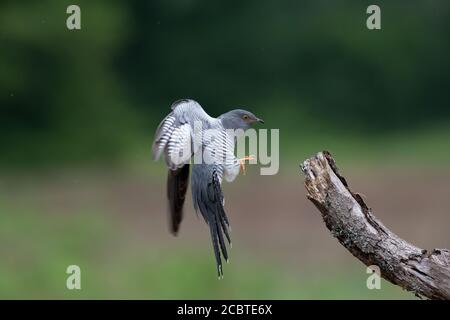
column 175, row 134
column 174, row 137
column 208, row 199
column 177, row 184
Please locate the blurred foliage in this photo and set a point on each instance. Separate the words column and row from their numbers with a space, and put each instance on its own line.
column 80, row 96
column 116, row 264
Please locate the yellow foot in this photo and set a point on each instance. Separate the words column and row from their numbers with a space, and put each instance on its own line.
column 242, row 162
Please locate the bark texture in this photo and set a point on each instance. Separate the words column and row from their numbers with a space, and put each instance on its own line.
column 426, row 273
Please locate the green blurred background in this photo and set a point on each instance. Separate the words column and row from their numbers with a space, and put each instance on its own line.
column 78, row 110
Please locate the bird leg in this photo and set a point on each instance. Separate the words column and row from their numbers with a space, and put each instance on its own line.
column 242, row 162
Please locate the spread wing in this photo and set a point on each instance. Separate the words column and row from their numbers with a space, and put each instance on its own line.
column 175, row 134
column 208, row 198
column 177, row 184
column 174, row 137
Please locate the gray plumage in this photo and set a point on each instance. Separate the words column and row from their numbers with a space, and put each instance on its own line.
column 177, row 139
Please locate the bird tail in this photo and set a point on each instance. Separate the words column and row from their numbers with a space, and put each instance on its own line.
column 208, row 199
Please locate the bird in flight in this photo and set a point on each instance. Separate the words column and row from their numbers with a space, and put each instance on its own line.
column 182, row 135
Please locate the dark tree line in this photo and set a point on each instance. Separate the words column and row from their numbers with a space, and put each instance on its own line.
column 88, row 94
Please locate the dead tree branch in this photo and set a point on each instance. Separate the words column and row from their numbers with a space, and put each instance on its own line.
column 345, row 214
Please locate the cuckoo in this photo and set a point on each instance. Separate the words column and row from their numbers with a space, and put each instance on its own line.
column 188, row 136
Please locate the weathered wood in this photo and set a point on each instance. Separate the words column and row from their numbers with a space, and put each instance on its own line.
column 345, row 214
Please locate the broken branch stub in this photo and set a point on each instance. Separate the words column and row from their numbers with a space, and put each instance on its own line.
column 349, row 219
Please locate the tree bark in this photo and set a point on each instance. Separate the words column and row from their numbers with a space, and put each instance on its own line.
column 345, row 214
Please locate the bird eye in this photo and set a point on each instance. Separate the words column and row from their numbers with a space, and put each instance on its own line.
column 245, row 117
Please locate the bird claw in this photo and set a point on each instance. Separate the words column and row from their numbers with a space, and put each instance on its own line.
column 242, row 162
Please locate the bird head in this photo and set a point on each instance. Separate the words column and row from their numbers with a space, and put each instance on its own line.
column 239, row 119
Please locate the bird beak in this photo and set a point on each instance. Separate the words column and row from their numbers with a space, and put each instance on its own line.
column 260, row 120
